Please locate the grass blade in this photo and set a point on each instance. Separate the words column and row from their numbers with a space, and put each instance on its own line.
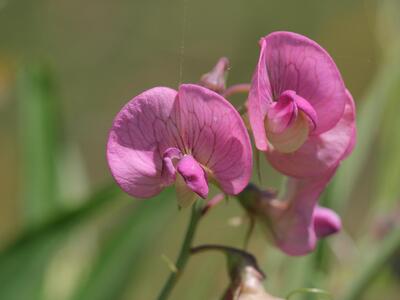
column 117, row 263
column 24, row 262
column 38, row 113
column 62, row 222
column 369, row 118
column 371, row 269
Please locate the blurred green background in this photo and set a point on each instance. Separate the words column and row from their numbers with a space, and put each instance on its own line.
column 67, row 67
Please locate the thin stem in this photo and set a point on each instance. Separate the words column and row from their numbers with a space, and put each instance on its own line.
column 313, row 291
column 236, row 89
column 208, row 247
column 242, row 110
column 184, row 252
column 249, row 233
column 361, row 283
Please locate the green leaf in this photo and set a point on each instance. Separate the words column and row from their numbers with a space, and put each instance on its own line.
column 38, row 116
column 24, row 262
column 117, row 263
column 387, row 177
column 371, row 269
column 22, row 271
column 62, row 222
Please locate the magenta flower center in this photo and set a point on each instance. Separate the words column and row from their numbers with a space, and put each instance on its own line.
column 289, row 121
column 175, row 163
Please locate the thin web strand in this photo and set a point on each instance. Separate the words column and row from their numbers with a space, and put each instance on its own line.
column 182, row 47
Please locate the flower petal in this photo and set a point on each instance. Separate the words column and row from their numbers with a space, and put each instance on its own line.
column 281, row 114
column 353, row 134
column 194, row 176
column 215, row 135
column 321, row 153
column 326, row 222
column 294, row 229
column 140, row 134
column 292, row 138
column 294, row 62
column 260, row 99
column 304, row 106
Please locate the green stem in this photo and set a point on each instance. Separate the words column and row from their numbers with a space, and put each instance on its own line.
column 184, row 252
column 361, row 283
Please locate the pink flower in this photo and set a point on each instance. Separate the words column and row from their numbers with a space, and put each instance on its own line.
column 189, row 137
column 297, row 106
column 295, row 222
column 303, row 118
column 303, row 222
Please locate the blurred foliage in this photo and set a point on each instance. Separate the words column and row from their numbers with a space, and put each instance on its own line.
column 65, row 70
column 38, row 116
column 116, row 264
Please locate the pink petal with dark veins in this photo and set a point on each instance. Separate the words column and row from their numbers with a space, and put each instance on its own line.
column 294, row 62
column 215, row 135
column 140, row 134
column 159, row 129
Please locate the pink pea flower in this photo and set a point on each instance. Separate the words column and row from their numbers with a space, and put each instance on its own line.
column 296, row 106
column 296, row 220
column 190, row 137
column 305, row 221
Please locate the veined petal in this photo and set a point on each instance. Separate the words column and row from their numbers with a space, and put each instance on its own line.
column 156, row 133
column 140, row 134
column 294, row 62
column 260, row 99
column 215, row 135
column 320, row 153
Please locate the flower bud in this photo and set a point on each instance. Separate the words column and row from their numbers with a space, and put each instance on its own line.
column 246, row 277
column 216, row 79
column 248, row 286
